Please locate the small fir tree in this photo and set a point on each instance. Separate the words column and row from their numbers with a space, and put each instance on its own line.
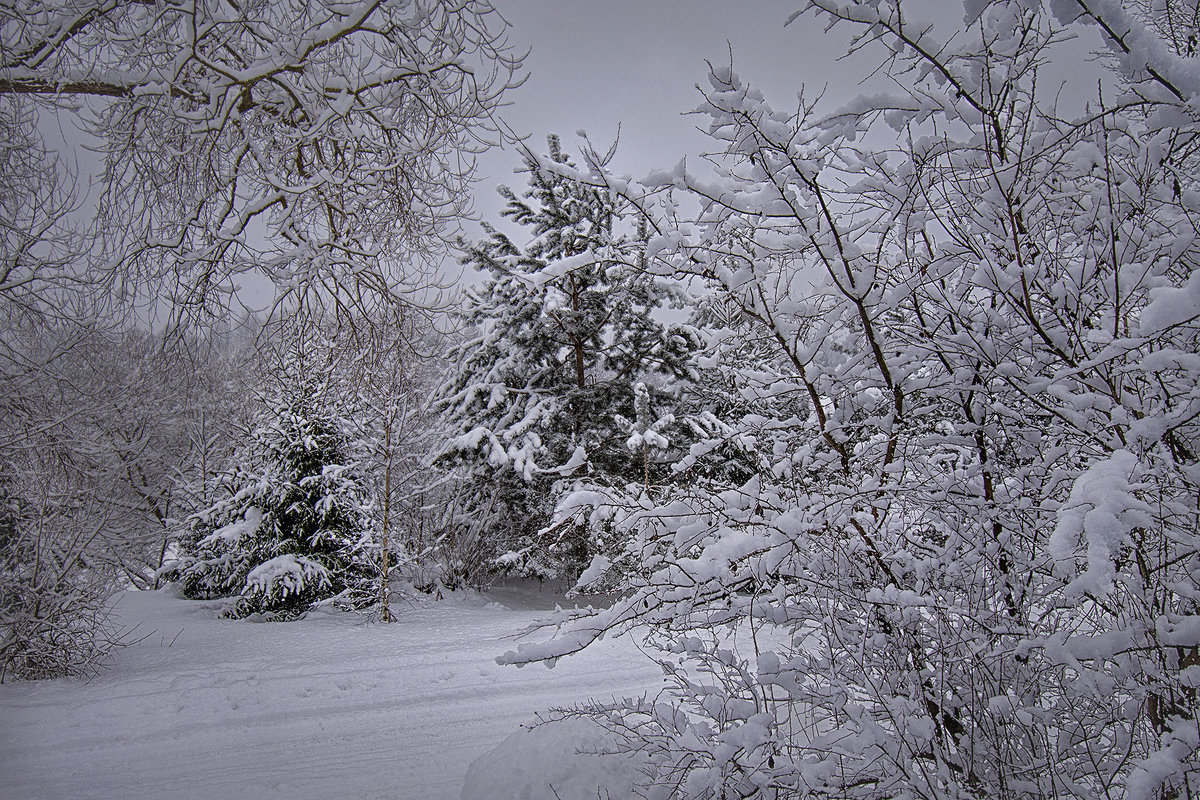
column 645, row 431
column 295, row 528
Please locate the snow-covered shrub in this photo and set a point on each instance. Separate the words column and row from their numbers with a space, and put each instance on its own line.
column 968, row 562
column 296, row 525
column 54, row 606
column 714, row 727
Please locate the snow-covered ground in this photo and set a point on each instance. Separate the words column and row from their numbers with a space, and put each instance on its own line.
column 327, row 707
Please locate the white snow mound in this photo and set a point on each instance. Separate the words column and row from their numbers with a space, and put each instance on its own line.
column 568, row 759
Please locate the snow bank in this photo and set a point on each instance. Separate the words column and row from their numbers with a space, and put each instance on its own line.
column 569, row 759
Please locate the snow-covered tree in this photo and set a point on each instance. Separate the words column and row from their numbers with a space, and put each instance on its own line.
column 385, row 373
column 645, row 430
column 324, row 146
column 54, row 590
column 325, row 149
column 969, row 562
column 297, row 524
column 106, row 436
column 565, row 327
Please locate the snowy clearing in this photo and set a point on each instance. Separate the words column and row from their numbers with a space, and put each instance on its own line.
column 328, row 706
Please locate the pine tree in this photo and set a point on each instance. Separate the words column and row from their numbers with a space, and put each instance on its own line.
column 563, row 330
column 295, row 528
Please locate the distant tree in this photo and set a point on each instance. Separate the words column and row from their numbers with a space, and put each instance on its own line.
column 103, row 437
column 297, row 524
column 559, row 335
column 54, row 592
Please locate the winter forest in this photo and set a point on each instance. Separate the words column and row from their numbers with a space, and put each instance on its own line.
column 854, row 455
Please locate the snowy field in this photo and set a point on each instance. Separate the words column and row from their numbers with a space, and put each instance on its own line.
column 327, row 707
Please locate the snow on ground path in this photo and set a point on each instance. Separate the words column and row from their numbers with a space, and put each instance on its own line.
column 327, row 707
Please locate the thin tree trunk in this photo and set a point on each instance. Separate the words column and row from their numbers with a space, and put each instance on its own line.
column 386, row 613
column 580, row 376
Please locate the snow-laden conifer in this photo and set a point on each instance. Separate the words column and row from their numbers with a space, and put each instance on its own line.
column 296, row 525
column 567, row 324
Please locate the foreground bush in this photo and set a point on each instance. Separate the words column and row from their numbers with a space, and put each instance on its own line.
column 968, row 565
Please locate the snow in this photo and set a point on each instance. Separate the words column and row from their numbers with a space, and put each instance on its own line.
column 1102, row 510
column 577, row 460
column 595, row 571
column 565, row 759
column 1170, row 306
column 288, row 573
column 331, row 705
column 235, row 530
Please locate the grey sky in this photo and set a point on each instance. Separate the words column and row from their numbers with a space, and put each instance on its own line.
column 595, row 64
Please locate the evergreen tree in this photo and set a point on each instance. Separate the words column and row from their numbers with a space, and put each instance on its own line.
column 563, row 330
column 295, row 528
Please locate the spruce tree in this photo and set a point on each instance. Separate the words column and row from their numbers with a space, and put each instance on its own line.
column 295, row 526
column 560, row 334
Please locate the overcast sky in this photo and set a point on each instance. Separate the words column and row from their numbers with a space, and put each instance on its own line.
column 595, row 64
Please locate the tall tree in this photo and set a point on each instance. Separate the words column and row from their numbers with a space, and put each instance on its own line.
column 323, row 146
column 560, row 334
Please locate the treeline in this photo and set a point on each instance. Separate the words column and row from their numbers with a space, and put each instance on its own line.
column 317, row 153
